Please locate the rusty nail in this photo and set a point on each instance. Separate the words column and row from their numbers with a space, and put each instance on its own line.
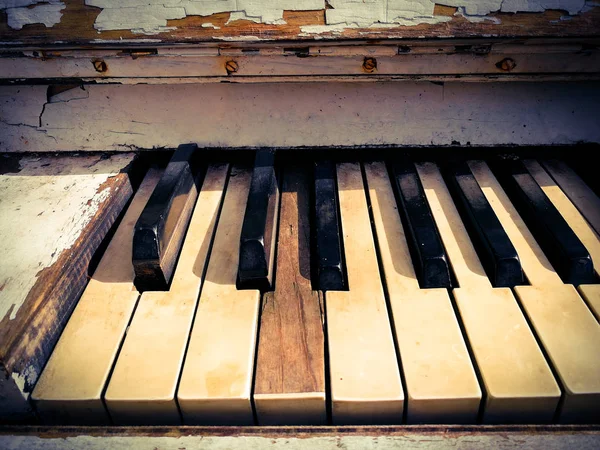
column 370, row 65
column 507, row 64
column 100, row 65
column 231, row 67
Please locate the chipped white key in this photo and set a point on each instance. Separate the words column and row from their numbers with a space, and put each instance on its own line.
column 142, row 387
column 584, row 231
column 216, row 381
column 441, row 383
column 565, row 326
column 364, row 374
column 519, row 384
column 70, row 387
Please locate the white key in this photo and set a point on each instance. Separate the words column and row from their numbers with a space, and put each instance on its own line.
column 441, row 383
column 364, row 374
column 142, row 387
column 519, row 384
column 70, row 387
column 217, row 374
column 579, row 193
column 565, row 326
column 576, row 221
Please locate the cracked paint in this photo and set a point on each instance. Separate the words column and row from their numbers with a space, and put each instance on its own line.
column 58, row 198
column 151, row 16
column 25, row 12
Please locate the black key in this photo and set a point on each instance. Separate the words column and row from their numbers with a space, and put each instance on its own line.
column 257, row 242
column 428, row 252
column 330, row 271
column 565, row 251
column 161, row 227
column 498, row 255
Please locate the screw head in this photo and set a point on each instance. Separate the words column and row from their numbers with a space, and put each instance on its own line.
column 100, row 65
column 369, row 64
column 506, row 65
column 231, row 67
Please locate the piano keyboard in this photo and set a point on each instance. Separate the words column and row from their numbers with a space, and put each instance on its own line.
column 349, row 293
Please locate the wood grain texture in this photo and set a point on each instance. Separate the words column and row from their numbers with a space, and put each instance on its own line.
column 27, row 339
column 77, row 28
column 290, row 373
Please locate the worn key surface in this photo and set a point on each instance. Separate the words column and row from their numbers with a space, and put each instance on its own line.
column 497, row 254
column 142, row 387
column 289, row 387
column 330, row 272
column 562, row 246
column 364, row 374
column 577, row 222
column 70, row 387
column 432, row 262
column 216, row 380
column 161, row 227
column 519, row 384
column 258, row 238
column 441, row 385
column 582, row 196
column 565, row 326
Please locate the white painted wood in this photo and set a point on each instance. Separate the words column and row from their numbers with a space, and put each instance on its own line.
column 217, row 374
column 519, row 384
column 46, row 197
column 368, row 439
column 121, row 117
column 440, row 380
column 363, row 368
column 70, row 387
column 174, row 66
column 143, row 383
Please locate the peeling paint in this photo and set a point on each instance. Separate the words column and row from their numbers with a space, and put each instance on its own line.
column 25, row 380
column 25, row 12
column 60, row 199
column 151, row 16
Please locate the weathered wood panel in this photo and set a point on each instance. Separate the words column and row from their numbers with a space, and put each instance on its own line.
column 75, row 25
column 54, row 214
column 123, row 118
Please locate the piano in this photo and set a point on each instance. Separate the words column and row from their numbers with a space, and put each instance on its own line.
column 341, row 221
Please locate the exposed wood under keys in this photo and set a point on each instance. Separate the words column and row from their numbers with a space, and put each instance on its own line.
column 289, row 387
column 364, row 374
column 216, row 380
column 259, row 231
column 160, row 230
column 441, row 383
column 143, row 384
column 70, row 387
column 519, row 385
column 565, row 326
